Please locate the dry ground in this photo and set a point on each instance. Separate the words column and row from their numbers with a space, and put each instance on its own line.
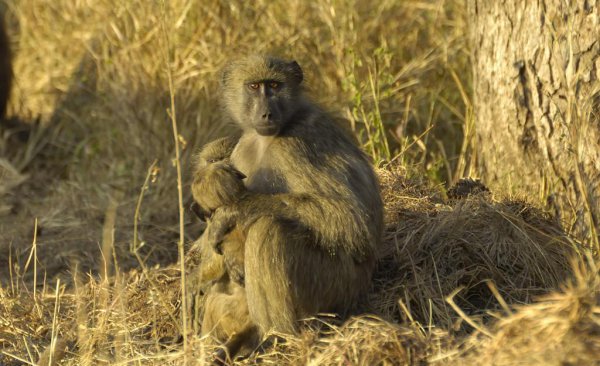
column 89, row 223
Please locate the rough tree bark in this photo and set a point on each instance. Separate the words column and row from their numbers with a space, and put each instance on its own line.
column 536, row 89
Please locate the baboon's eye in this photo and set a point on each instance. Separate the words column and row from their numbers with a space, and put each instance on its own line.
column 253, row 86
column 274, row 84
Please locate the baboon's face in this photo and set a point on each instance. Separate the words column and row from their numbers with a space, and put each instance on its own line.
column 265, row 102
column 261, row 93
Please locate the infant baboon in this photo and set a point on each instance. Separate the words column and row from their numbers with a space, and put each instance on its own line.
column 216, row 182
column 219, row 276
column 313, row 214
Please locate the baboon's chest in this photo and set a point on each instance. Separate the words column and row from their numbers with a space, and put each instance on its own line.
column 254, row 156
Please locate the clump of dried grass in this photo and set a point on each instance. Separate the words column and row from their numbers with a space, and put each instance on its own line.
column 363, row 340
column 371, row 341
column 133, row 316
column 562, row 328
column 26, row 321
column 433, row 248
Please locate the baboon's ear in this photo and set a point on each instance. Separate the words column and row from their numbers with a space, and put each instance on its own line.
column 296, row 71
column 199, row 212
column 239, row 174
column 230, row 168
column 224, row 75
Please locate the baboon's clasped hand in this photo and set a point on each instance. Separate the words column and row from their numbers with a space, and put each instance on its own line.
column 222, row 222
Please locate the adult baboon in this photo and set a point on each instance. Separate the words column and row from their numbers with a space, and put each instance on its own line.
column 5, row 68
column 313, row 214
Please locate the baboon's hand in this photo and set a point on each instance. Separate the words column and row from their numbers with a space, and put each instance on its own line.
column 221, row 223
column 215, row 185
column 194, row 255
column 194, row 297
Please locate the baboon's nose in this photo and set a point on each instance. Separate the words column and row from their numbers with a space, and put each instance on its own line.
column 267, row 116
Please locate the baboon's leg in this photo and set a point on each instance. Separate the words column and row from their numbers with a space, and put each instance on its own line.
column 270, row 300
column 210, row 318
column 227, row 321
column 233, row 255
column 288, row 277
column 238, row 344
column 242, row 342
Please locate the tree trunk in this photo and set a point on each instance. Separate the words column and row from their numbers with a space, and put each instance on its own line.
column 5, row 68
column 536, row 71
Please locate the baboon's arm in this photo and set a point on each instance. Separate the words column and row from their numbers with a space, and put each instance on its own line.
column 336, row 223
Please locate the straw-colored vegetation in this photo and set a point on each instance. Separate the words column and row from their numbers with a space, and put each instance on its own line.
column 89, row 218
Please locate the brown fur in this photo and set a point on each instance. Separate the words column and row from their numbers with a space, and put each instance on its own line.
column 6, row 74
column 313, row 214
column 216, row 182
column 225, row 318
column 220, row 276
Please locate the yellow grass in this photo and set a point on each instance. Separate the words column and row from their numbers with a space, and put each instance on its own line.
column 118, row 94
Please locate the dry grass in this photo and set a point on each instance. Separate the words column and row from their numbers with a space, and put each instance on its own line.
column 93, row 90
column 563, row 328
column 433, row 248
column 94, row 73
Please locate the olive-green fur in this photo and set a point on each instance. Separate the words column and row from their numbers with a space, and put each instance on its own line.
column 313, row 216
